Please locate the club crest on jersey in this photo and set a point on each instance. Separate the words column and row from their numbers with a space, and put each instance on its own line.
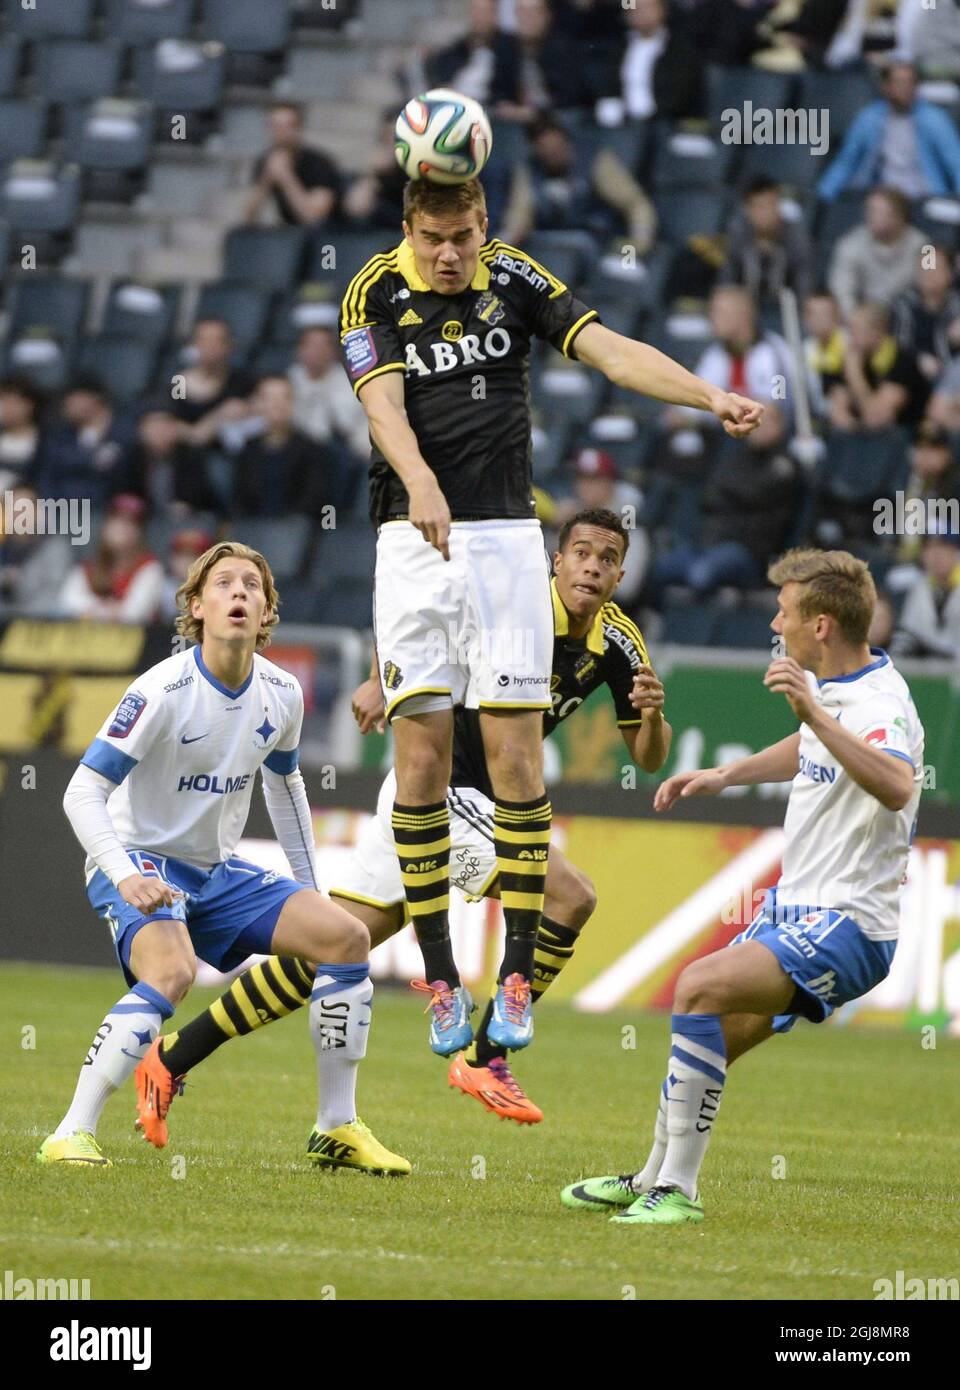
column 128, row 712
column 265, row 731
column 392, row 675
column 490, row 309
column 584, row 667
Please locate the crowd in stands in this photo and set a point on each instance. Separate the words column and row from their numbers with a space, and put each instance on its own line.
column 610, row 166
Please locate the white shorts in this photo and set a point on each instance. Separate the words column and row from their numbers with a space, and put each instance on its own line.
column 483, row 618
column 373, row 872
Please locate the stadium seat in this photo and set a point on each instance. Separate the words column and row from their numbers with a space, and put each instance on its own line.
column 248, row 26
column 346, row 552
column 244, row 307
column 109, row 135
column 300, row 602
column 833, row 220
column 940, row 219
column 309, row 305
column 283, row 539
column 39, row 357
column 688, row 624
column 179, row 76
column 64, row 19
column 137, row 22
column 162, row 529
column 743, row 627
column 564, row 254
column 690, row 159
column 266, row 256
column 342, row 256
column 4, row 245
column 49, row 302
column 732, row 88
column 23, row 126
column 683, row 335
column 844, row 94
column 684, row 213
column 72, row 70
column 11, row 49
column 126, row 364
column 347, row 604
column 859, row 466
column 147, row 312
column 38, row 197
column 272, row 359
column 793, row 165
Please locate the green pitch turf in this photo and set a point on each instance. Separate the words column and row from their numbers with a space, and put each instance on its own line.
column 864, row 1126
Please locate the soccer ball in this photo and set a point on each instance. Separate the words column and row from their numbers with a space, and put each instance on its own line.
column 442, row 136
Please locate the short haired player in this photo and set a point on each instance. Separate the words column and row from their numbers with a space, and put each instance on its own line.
column 595, row 644
column 159, row 802
column 828, row 931
column 435, row 336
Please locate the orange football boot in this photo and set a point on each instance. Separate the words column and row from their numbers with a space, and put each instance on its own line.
column 496, row 1089
column 156, row 1088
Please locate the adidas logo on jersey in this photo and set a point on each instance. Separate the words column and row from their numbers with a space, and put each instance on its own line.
column 410, row 318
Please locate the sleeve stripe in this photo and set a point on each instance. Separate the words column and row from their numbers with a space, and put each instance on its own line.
column 895, row 753
column 108, row 761
column 355, row 299
column 617, row 618
column 572, row 332
column 496, row 246
column 377, row 371
column 283, row 761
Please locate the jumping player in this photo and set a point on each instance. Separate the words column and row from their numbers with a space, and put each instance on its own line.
column 828, row 931
column 435, row 337
column 595, row 644
column 159, row 802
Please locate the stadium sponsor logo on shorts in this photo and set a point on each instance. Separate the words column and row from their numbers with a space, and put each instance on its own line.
column 505, row 680
column 461, row 352
column 210, row 782
column 520, row 267
column 76, row 1343
column 128, row 712
column 177, row 685
column 392, row 675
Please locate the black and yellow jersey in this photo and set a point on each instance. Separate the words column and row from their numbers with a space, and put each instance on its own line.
column 465, row 364
column 609, row 655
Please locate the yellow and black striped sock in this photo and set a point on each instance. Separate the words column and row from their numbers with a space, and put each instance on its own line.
column 554, row 947
column 422, row 838
column 259, row 996
column 521, row 832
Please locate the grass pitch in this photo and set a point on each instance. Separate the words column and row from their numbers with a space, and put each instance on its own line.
column 865, row 1128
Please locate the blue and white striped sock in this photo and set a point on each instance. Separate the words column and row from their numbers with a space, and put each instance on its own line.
column 694, row 1088
column 340, row 1008
column 121, row 1042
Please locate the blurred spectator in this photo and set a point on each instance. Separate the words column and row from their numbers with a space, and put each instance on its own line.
column 878, row 259
column 20, row 404
column 33, row 566
column 375, row 199
column 944, row 407
column 304, row 183
column 657, row 70
column 185, row 547
column 597, row 484
column 215, row 390
column 824, row 347
column 927, row 315
column 930, row 618
column 553, row 73
column 123, row 583
column 90, row 454
column 882, row 385
column 169, row 474
column 556, row 190
column 802, row 33
column 767, row 253
column 279, row 470
column 930, row 36
column 899, row 141
column 742, row 359
column 934, row 475
column 484, row 64
column 324, row 406
column 748, row 507
column 882, row 623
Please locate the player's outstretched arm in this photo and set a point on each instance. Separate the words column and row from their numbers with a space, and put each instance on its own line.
column 383, row 400
column 778, row 763
column 642, row 368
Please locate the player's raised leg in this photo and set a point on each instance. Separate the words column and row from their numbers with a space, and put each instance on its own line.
column 161, row 968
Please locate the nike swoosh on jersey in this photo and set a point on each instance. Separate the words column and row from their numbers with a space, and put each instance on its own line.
column 184, row 739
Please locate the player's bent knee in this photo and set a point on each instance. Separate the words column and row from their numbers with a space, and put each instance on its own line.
column 173, row 979
column 586, row 898
column 698, row 991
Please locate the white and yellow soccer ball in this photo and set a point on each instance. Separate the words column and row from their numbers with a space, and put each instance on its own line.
column 442, row 136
